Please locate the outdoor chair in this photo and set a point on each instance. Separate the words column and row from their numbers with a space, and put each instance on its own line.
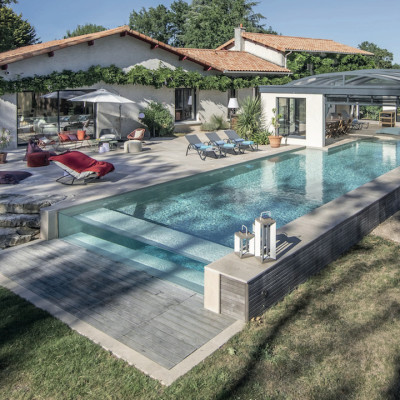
column 202, row 149
column 137, row 134
column 233, row 137
column 222, row 145
column 79, row 167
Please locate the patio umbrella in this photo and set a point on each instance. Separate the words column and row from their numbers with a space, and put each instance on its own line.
column 103, row 96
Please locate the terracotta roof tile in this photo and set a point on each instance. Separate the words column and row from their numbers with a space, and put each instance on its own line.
column 233, row 61
column 21, row 53
column 288, row 43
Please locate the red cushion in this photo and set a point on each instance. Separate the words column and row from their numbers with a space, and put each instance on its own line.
column 64, row 137
column 80, row 162
column 81, row 134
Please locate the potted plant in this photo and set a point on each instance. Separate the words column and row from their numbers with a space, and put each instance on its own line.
column 5, row 139
column 275, row 138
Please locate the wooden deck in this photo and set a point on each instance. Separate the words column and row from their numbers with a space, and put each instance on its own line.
column 162, row 321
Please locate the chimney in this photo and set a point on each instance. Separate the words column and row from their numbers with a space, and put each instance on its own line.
column 238, row 38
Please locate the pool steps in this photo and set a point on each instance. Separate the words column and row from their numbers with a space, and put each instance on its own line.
column 141, row 261
column 156, row 235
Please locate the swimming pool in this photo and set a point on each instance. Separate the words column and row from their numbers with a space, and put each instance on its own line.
column 211, row 206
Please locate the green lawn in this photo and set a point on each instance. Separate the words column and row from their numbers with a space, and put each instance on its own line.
column 334, row 337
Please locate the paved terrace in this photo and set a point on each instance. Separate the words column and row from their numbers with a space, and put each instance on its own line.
column 159, row 327
column 144, row 320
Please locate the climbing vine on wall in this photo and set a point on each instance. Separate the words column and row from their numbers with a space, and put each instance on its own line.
column 138, row 75
column 306, row 64
column 301, row 64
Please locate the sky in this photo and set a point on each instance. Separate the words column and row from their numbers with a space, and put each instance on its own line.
column 347, row 22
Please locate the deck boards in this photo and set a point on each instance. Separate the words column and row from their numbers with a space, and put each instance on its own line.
column 159, row 319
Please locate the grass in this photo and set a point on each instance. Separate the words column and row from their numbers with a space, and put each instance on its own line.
column 334, row 337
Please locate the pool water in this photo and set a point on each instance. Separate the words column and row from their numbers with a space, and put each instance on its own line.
column 210, row 207
column 215, row 205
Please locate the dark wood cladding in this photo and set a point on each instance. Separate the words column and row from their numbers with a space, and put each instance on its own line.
column 245, row 300
column 233, row 298
column 284, row 276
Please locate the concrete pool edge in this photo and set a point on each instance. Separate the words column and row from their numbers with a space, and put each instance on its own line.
column 244, row 288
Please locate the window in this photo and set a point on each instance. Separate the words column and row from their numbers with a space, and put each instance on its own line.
column 42, row 114
column 293, row 119
column 185, row 104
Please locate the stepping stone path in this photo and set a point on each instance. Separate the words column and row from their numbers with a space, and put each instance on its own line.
column 20, row 217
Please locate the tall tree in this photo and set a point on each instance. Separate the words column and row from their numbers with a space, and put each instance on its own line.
column 84, row 30
column 203, row 24
column 6, row 2
column 211, row 23
column 14, row 30
column 179, row 10
column 383, row 58
column 154, row 22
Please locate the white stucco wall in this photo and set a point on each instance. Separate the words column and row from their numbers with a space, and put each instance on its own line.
column 212, row 102
column 8, row 117
column 264, row 52
column 315, row 117
column 124, row 52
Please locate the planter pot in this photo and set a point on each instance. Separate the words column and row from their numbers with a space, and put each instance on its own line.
column 3, row 157
column 275, row 141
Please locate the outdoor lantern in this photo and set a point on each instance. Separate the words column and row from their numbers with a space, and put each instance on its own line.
column 243, row 244
column 233, row 104
column 265, row 237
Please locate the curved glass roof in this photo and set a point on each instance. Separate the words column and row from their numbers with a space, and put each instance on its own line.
column 365, row 86
column 367, row 78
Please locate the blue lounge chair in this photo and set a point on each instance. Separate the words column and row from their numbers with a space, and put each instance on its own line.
column 235, row 138
column 203, row 150
column 222, row 145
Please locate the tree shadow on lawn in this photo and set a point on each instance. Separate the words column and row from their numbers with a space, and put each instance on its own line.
column 304, row 304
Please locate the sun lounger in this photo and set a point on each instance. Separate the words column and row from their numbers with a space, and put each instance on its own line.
column 202, row 149
column 233, row 137
column 222, row 145
column 80, row 167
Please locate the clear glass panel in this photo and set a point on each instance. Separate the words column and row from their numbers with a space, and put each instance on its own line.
column 41, row 114
column 293, row 116
column 36, row 116
column 75, row 115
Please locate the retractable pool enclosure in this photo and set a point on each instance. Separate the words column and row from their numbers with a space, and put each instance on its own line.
column 362, row 87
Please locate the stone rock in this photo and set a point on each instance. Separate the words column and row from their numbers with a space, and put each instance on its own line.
column 14, row 220
column 22, row 204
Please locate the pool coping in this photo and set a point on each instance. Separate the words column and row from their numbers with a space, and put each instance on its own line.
column 306, row 230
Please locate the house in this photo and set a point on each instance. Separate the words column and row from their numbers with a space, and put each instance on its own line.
column 37, row 81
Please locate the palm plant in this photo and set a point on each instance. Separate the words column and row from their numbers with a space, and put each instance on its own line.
column 249, row 118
